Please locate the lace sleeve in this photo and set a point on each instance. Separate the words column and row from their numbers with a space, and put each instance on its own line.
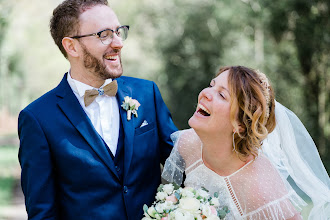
column 186, row 150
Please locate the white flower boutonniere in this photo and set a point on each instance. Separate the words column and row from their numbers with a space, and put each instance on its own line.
column 131, row 106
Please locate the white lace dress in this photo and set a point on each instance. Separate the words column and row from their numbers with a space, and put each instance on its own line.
column 255, row 191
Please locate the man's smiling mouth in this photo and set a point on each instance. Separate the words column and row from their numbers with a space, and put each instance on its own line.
column 111, row 57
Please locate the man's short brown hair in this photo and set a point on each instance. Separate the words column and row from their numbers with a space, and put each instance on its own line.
column 65, row 19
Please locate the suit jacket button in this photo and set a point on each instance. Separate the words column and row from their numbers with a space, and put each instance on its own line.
column 125, row 189
column 117, row 168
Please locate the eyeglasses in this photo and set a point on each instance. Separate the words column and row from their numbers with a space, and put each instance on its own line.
column 106, row 35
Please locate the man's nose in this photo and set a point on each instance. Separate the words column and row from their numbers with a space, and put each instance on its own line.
column 116, row 42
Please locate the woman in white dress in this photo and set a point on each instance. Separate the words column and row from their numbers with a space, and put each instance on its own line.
column 245, row 146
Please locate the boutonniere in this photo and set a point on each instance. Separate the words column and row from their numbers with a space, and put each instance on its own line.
column 131, row 106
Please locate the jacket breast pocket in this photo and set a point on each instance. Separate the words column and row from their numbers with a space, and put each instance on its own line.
column 144, row 129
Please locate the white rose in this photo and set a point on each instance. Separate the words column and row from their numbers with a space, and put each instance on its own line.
column 168, row 188
column 161, row 195
column 213, row 217
column 133, row 102
column 215, row 202
column 182, row 215
column 203, row 193
column 152, row 212
column 146, row 218
column 157, row 216
column 168, row 205
column 206, row 210
column 160, row 207
column 189, row 204
column 127, row 99
column 188, row 192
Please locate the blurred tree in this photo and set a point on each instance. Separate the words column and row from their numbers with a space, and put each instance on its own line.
column 6, row 65
column 308, row 24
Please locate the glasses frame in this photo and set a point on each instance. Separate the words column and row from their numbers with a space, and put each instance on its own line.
column 98, row 34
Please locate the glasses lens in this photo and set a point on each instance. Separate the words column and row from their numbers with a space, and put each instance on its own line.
column 106, row 37
column 122, row 32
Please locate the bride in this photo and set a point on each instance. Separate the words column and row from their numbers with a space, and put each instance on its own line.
column 251, row 150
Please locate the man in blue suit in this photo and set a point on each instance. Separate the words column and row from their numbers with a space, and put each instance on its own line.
column 83, row 155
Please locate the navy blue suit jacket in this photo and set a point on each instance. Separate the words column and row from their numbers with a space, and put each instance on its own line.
column 67, row 172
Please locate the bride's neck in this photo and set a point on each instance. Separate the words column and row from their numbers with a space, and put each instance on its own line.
column 219, row 156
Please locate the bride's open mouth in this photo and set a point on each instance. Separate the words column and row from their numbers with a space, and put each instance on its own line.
column 202, row 110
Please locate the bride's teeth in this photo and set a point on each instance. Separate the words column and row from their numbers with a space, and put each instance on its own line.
column 203, row 108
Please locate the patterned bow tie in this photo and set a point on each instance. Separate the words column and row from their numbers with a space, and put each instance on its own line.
column 91, row 94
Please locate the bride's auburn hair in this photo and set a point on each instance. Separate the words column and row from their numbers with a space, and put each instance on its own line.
column 252, row 111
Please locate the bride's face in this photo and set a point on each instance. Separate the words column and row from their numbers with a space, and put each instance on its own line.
column 213, row 110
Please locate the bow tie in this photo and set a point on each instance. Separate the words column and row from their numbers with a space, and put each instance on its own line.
column 91, row 94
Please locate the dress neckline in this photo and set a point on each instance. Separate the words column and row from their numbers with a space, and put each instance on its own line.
column 227, row 176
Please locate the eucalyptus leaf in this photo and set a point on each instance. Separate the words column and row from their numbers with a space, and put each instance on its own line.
column 177, row 195
column 145, row 208
column 160, row 188
column 203, row 188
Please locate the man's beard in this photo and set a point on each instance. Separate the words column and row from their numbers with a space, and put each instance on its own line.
column 98, row 67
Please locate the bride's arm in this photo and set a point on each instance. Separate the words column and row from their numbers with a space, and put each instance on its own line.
column 187, row 149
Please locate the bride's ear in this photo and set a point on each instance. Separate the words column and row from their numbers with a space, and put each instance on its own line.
column 240, row 128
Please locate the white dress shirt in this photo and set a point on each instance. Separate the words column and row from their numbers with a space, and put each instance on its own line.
column 103, row 112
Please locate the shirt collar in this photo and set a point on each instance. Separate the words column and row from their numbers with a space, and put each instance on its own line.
column 80, row 88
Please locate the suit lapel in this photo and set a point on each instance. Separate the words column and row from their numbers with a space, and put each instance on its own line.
column 77, row 116
column 129, row 129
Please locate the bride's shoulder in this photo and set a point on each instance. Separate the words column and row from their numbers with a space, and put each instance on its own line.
column 187, row 143
column 187, row 137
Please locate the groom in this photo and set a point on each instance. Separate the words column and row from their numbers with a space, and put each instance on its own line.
column 83, row 156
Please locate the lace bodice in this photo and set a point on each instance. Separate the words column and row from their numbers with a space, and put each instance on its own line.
column 255, row 191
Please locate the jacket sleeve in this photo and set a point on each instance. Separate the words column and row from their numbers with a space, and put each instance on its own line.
column 165, row 125
column 37, row 176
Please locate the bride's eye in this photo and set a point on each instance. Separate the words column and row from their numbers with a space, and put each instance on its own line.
column 222, row 95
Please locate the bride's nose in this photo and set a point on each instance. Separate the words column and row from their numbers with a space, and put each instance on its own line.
column 206, row 93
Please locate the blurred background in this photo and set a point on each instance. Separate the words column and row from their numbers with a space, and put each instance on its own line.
column 179, row 44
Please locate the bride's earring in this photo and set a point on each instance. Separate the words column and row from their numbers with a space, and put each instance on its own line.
column 234, row 147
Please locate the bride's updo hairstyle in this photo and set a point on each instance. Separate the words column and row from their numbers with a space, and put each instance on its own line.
column 252, row 110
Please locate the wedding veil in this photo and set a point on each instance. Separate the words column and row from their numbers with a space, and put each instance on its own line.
column 291, row 149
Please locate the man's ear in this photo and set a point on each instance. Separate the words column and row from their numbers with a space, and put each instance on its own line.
column 70, row 46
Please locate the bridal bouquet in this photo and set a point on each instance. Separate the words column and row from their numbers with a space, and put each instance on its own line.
column 176, row 203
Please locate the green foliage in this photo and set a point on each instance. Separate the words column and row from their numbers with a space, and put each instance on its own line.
column 6, row 190
column 307, row 23
column 8, row 168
